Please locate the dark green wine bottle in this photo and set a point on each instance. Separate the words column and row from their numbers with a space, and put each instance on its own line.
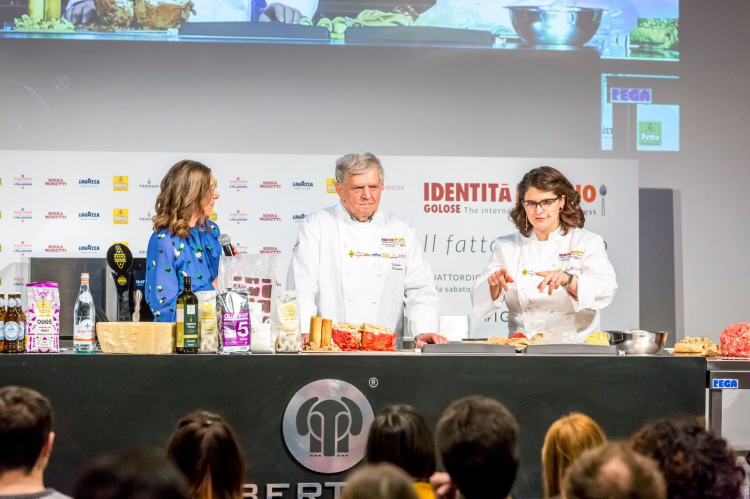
column 188, row 336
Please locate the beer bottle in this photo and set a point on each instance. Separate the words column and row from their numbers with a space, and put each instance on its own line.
column 188, row 336
column 12, row 328
column 2, row 321
column 21, row 324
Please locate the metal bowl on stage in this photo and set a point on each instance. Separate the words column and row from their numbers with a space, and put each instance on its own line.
column 639, row 342
column 556, row 24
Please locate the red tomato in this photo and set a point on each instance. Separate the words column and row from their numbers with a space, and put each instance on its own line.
column 517, row 335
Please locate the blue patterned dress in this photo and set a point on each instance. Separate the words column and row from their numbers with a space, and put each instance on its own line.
column 169, row 256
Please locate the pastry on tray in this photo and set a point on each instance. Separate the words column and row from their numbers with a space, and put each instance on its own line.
column 116, row 13
column 162, row 14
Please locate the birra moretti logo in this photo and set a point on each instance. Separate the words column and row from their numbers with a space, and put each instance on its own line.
column 326, row 424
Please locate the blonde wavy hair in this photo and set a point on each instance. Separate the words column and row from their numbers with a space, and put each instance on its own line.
column 184, row 189
column 566, row 439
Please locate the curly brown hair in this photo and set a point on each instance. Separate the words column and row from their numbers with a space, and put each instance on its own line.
column 547, row 179
column 183, row 189
column 695, row 462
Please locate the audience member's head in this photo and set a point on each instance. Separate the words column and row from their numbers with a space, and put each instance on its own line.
column 613, row 471
column 695, row 463
column 401, row 436
column 379, row 481
column 135, row 474
column 477, row 438
column 566, row 439
column 26, row 436
column 205, row 448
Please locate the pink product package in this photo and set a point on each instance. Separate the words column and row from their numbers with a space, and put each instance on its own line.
column 43, row 317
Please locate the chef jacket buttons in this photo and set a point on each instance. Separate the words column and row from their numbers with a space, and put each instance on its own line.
column 351, row 300
column 379, row 274
column 347, row 271
column 374, row 302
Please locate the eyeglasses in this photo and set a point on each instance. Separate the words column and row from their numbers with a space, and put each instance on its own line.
column 546, row 204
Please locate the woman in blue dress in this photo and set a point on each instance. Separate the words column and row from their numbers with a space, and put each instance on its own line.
column 185, row 241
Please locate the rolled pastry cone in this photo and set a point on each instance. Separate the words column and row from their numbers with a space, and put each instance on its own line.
column 52, row 9
column 316, row 323
column 327, row 332
column 36, row 10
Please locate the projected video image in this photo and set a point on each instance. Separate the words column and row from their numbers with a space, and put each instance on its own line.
column 627, row 29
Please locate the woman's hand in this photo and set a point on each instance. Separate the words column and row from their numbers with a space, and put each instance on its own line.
column 443, row 486
column 499, row 279
column 552, row 279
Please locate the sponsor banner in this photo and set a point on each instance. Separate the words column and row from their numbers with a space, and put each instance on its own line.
column 458, row 206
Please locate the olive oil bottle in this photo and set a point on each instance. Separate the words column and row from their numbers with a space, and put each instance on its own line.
column 188, row 336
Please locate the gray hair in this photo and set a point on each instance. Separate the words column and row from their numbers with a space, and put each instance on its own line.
column 357, row 164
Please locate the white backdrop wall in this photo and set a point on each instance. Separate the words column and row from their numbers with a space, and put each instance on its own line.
column 79, row 203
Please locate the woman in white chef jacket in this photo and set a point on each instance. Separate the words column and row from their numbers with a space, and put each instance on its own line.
column 551, row 273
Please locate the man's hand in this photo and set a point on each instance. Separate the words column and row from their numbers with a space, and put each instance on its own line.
column 443, row 486
column 81, row 13
column 498, row 280
column 431, row 338
column 280, row 13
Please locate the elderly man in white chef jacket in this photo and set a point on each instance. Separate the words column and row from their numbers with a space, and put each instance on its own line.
column 353, row 263
column 287, row 11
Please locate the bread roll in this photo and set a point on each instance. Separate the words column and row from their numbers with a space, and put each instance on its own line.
column 316, row 324
column 327, row 332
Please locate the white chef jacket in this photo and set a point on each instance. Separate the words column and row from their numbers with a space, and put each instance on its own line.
column 578, row 252
column 357, row 272
column 235, row 10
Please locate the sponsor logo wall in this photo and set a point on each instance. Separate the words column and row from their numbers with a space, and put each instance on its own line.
column 457, row 205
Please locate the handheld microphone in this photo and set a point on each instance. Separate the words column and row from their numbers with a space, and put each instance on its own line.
column 226, row 244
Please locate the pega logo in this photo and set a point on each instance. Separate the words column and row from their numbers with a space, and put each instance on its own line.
column 120, row 183
column 55, row 215
column 270, row 184
column 325, row 426
column 148, row 185
column 22, row 247
column 628, row 95
column 395, row 187
column 88, row 182
column 299, row 218
column 238, row 216
column 330, row 186
column 55, row 182
column 88, row 215
column 302, row 185
column 270, row 250
column 55, row 248
column 22, row 215
column 237, row 183
column 120, row 216
column 270, row 217
column 23, row 181
column 89, row 248
column 148, row 218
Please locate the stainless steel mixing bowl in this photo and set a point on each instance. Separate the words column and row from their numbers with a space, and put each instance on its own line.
column 556, row 25
column 633, row 341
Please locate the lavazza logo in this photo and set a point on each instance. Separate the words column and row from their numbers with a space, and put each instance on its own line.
column 302, row 185
column 55, row 182
column 89, row 248
column 88, row 215
column 88, row 182
column 325, row 426
column 299, row 218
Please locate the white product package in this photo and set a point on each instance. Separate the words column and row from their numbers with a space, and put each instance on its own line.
column 263, row 339
column 207, row 322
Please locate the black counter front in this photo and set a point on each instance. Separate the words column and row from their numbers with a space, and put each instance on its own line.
column 108, row 402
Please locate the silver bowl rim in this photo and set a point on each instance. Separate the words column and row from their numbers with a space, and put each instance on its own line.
column 636, row 331
column 554, row 8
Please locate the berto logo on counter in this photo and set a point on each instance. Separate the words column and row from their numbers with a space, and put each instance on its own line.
column 326, row 424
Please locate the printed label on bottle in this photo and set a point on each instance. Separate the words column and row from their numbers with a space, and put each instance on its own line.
column 192, row 337
column 2, row 302
column 180, row 319
column 86, row 297
column 21, row 330
column 2, row 330
column 11, row 331
column 11, row 303
column 84, row 332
